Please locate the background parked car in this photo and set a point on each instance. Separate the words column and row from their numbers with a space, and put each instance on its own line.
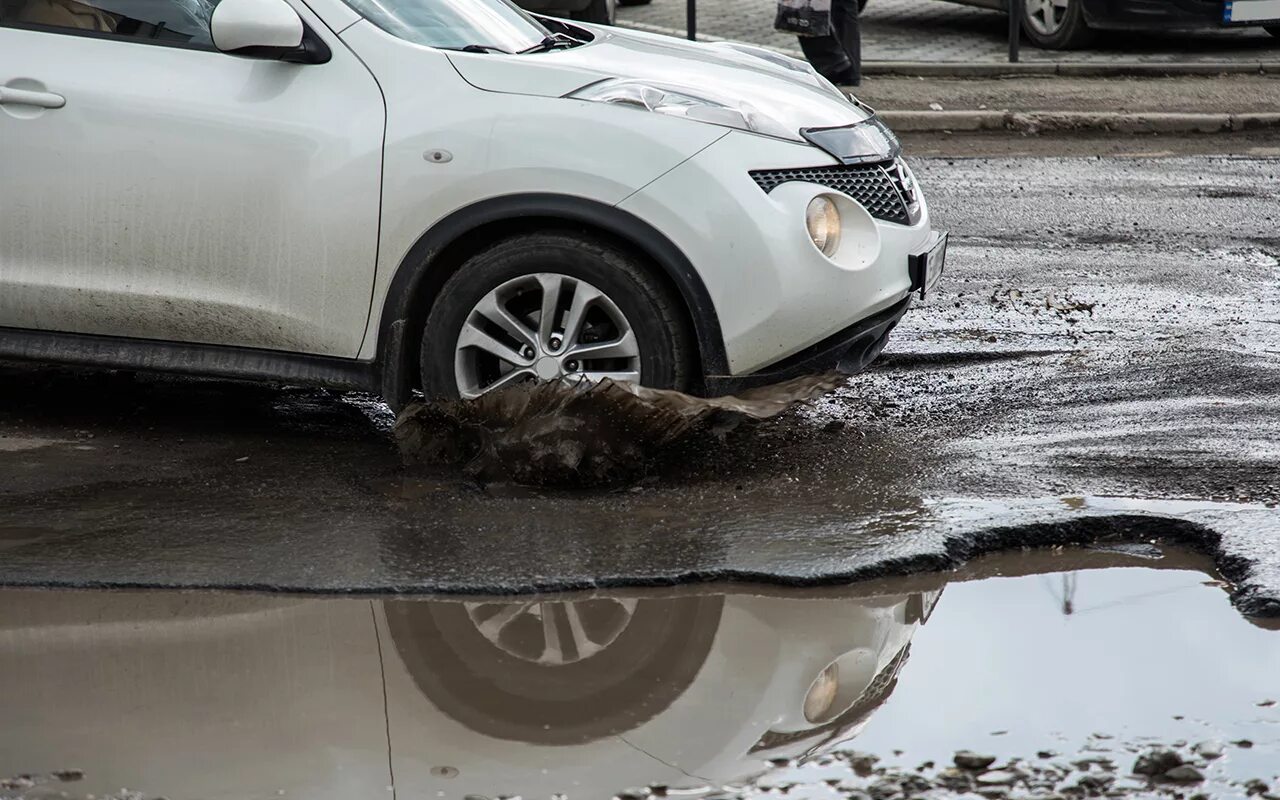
column 1069, row 24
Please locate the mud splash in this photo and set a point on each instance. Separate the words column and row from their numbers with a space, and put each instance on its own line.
column 581, row 435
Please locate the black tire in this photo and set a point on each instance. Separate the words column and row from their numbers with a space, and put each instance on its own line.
column 1074, row 32
column 600, row 12
column 652, row 309
column 635, row 678
column 1274, row 30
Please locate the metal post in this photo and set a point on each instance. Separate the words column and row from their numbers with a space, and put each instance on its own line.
column 691, row 19
column 1016, row 10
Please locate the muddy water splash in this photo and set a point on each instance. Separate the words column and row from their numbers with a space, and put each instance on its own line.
column 607, row 433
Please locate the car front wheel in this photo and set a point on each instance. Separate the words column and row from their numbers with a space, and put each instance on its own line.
column 1056, row 24
column 552, row 307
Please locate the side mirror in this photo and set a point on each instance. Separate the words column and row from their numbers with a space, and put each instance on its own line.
column 268, row 29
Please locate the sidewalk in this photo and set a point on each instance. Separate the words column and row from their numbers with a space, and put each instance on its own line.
column 936, row 31
column 1185, row 104
column 1184, row 94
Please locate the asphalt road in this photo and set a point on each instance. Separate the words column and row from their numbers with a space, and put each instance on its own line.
column 1100, row 362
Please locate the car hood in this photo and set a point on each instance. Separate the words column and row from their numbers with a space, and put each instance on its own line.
column 784, row 88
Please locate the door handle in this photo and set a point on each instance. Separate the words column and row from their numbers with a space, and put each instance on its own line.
column 25, row 97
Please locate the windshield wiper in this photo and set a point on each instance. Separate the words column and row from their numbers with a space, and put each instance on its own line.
column 479, row 48
column 551, row 42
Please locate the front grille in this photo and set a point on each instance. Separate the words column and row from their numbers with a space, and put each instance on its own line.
column 876, row 187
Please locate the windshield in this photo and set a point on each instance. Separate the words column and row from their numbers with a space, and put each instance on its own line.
column 455, row 24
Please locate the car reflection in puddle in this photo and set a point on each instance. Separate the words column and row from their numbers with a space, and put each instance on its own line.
column 720, row 692
column 218, row 695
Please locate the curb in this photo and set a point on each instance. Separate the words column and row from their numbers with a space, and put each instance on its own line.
column 1041, row 122
column 1136, row 69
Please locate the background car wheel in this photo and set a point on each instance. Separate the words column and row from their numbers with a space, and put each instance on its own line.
column 554, row 672
column 552, row 306
column 1056, row 24
column 601, row 12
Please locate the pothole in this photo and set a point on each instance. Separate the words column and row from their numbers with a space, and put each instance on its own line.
column 1117, row 671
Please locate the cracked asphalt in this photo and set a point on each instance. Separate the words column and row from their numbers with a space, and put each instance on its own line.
column 1101, row 362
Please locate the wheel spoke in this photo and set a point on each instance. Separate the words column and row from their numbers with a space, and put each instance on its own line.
column 551, row 286
column 629, row 377
column 583, row 297
column 582, row 643
column 624, row 347
column 473, row 336
column 505, row 615
column 511, row 378
column 553, row 651
column 495, row 312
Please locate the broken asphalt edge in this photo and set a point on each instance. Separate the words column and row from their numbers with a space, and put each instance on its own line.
column 1048, row 122
column 1250, row 598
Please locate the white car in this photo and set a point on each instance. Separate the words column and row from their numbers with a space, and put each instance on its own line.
column 449, row 195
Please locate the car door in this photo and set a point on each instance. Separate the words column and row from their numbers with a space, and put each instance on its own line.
column 152, row 187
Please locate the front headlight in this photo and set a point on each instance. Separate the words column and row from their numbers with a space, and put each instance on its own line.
column 822, row 695
column 684, row 102
column 866, row 142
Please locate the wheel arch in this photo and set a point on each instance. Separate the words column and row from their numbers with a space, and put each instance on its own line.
column 442, row 249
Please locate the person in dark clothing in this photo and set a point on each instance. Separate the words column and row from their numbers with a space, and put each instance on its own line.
column 837, row 56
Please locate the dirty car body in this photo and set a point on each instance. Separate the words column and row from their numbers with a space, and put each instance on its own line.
column 391, row 196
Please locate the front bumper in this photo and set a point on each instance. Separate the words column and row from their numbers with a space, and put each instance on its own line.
column 850, row 351
column 782, row 306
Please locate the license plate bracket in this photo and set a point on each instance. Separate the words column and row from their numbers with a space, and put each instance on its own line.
column 926, row 267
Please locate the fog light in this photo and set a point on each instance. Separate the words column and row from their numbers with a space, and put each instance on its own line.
column 823, row 221
column 822, row 694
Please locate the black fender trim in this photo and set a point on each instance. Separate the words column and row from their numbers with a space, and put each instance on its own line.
column 412, row 275
column 205, row 360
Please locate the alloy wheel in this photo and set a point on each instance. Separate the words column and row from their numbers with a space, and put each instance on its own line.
column 1047, row 17
column 544, row 327
column 553, row 633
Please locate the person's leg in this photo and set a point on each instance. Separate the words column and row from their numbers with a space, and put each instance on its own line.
column 844, row 22
column 837, row 56
column 826, row 56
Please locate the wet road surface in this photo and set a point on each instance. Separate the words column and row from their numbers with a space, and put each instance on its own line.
column 1065, row 669
column 1101, row 361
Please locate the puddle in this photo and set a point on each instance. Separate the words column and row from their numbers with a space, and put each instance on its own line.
column 1062, row 667
column 582, row 434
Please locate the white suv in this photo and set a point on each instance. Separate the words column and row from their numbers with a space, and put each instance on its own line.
column 449, row 195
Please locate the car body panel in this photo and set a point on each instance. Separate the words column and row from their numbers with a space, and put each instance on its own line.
column 775, row 293
column 184, row 195
column 779, row 88
column 525, row 144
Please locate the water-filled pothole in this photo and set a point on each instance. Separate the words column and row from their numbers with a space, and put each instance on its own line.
column 1063, row 668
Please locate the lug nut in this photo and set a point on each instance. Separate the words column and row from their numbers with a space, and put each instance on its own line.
column 526, row 351
column 555, row 342
column 571, row 366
